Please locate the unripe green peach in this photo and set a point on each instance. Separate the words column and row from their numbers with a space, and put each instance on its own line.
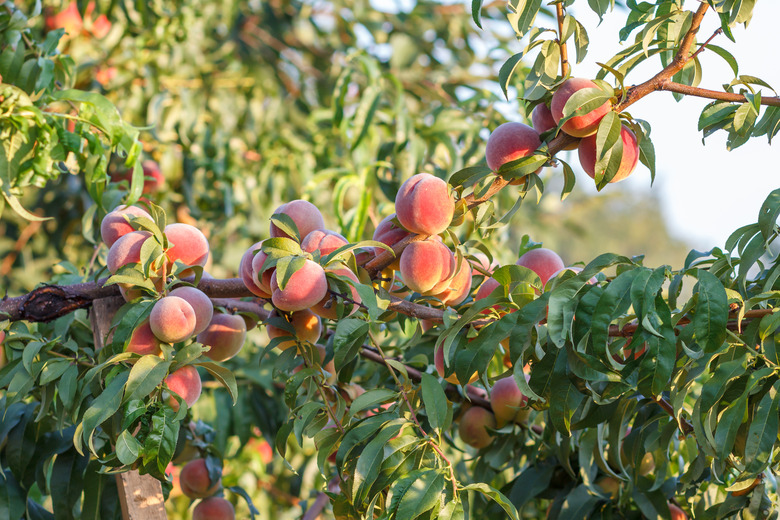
column 195, row 482
column 186, row 383
column 424, row 204
column 172, row 319
column 114, row 226
column 214, row 508
column 307, row 325
column 306, row 287
column 473, row 427
column 225, row 335
column 306, row 216
column 201, row 304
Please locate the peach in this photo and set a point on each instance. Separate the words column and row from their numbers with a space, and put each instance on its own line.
column 507, row 402
column 543, row 120
column 186, row 383
column 214, row 508
column 68, row 19
column 201, row 304
column 473, row 427
column 459, row 286
column 544, row 262
column 307, row 286
column 195, row 482
column 579, row 125
column 172, row 319
column 609, row 486
column 677, row 513
column 259, row 286
column 587, row 153
column 225, row 335
column 389, row 233
column 126, row 250
column 143, row 341
column 307, row 325
column 424, row 204
column 509, row 142
column 306, row 216
column 323, row 240
column 153, row 177
column 438, row 361
column 114, row 226
column 427, row 266
column 187, row 244
column 328, row 306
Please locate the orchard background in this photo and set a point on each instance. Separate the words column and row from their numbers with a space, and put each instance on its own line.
column 653, row 374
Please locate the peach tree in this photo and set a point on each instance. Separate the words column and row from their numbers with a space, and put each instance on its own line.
column 269, row 262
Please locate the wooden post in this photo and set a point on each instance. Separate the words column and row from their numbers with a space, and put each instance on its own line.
column 140, row 496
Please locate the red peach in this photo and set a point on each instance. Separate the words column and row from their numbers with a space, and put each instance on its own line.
column 587, row 153
column 214, row 508
column 327, row 307
column 201, row 304
column 323, row 240
column 508, row 401
column 185, row 383
column 249, row 275
column 126, row 250
column 306, row 216
column 188, row 245
column 580, row 125
column 172, row 319
column 225, row 335
column 509, row 142
column 438, row 361
column 114, row 226
column 459, row 286
column 153, row 178
column 677, row 513
column 195, row 482
column 307, row 286
column 143, row 341
column 427, row 266
column 543, row 120
column 306, row 324
column 424, row 204
column 389, row 233
column 473, row 427
column 544, row 262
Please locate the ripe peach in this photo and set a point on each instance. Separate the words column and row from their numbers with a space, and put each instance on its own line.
column 172, row 319
column 473, row 427
column 328, row 307
column 609, row 486
column 427, row 266
column 323, row 240
column 259, row 286
column 510, row 141
column 508, row 402
column 677, row 513
column 438, row 361
column 389, row 233
column 201, row 304
column 458, row 287
column 188, row 245
column 305, row 215
column 214, row 508
column 126, row 250
column 225, row 335
column 307, row 325
column 424, row 204
column 543, row 120
column 185, row 383
column 307, row 286
column 579, row 125
column 153, row 178
column 587, row 153
column 143, row 341
column 544, row 262
column 114, row 226
column 195, row 482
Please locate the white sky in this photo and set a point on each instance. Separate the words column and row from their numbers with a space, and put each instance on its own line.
column 706, row 191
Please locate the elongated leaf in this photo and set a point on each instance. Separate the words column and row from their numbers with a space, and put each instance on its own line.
column 435, row 401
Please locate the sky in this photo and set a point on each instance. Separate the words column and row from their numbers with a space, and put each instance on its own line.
column 706, row 191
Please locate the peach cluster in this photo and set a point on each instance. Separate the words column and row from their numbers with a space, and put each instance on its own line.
column 512, row 141
column 195, row 483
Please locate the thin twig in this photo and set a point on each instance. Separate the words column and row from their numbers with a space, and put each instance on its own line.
column 564, row 52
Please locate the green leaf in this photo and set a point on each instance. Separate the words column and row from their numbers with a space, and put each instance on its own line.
column 525, row 13
column 103, row 407
column 224, row 376
column 711, row 313
column 476, row 12
column 371, row 399
column 506, row 72
column 127, row 449
column 146, row 375
column 496, row 496
column 762, row 433
column 418, row 496
column 160, row 444
column 435, row 401
column 347, row 340
column 370, row 461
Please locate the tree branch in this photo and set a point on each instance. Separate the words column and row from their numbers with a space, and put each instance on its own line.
column 564, row 52
column 672, row 86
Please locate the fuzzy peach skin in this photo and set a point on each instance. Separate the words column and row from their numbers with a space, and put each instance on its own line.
column 307, row 325
column 126, row 250
column 188, row 245
column 323, row 240
column 214, row 508
column 458, row 287
column 201, row 304
column 427, row 266
column 172, row 319
column 509, row 142
column 225, row 334
column 582, row 125
column 424, row 204
column 438, row 361
column 389, row 233
column 508, row 402
column 328, row 307
column 472, row 425
column 114, row 226
column 307, row 286
column 544, row 262
column 186, row 383
column 543, row 120
column 195, row 482
column 258, row 285
column 143, row 341
column 306, row 216
column 628, row 162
